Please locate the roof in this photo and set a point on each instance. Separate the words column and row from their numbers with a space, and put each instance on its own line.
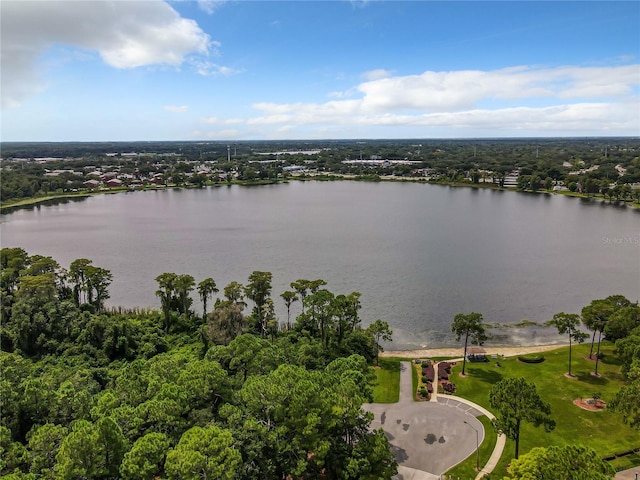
column 476, row 351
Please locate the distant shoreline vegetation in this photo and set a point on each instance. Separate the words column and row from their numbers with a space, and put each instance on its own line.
column 592, row 168
column 8, row 206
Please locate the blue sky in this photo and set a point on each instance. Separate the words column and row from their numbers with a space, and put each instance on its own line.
column 243, row 70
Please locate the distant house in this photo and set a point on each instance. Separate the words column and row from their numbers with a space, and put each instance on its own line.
column 114, row 182
column 92, row 184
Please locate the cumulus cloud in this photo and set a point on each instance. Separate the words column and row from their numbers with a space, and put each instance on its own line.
column 126, row 34
column 562, row 99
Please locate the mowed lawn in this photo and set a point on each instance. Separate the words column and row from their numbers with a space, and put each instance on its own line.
column 604, row 430
column 386, row 388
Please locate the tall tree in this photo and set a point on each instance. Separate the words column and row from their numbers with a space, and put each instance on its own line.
column 234, row 292
column 470, row 326
column 289, row 298
column 97, row 284
column 567, row 324
column 77, row 274
column 596, row 316
column 166, row 292
column 380, row 331
column 184, row 285
column 301, row 286
column 258, row 290
column 206, row 288
column 516, row 400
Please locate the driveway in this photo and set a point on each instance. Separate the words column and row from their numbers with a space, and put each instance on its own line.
column 428, row 438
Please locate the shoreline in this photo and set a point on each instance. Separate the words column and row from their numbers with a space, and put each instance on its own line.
column 458, row 352
column 32, row 201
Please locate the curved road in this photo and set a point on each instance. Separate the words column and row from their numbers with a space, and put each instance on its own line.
column 429, row 438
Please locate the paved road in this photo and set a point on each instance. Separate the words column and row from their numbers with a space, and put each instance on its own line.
column 428, row 438
column 631, row 474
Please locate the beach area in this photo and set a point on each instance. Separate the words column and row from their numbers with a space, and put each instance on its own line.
column 459, row 352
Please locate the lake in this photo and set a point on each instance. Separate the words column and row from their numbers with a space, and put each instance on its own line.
column 418, row 253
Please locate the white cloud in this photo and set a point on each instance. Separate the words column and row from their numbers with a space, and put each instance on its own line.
column 528, row 99
column 220, row 121
column 126, row 34
column 210, row 6
column 210, row 69
column 176, row 108
column 377, row 74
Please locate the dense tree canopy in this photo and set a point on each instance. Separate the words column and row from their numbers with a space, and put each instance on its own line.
column 89, row 392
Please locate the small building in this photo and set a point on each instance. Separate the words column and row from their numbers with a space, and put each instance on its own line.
column 477, row 354
column 114, row 182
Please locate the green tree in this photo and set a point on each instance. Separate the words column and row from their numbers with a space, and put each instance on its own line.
column 515, row 400
column 97, row 284
column 258, row 290
column 206, row 288
column 184, row 284
column 567, row 462
column 470, row 326
column 80, row 455
column 166, row 291
column 622, row 322
column 567, row 324
column 380, row 331
column 289, row 298
column 44, row 443
column 596, row 315
column 78, row 275
column 145, row 460
column 301, row 286
column 204, row 453
column 627, row 400
column 234, row 292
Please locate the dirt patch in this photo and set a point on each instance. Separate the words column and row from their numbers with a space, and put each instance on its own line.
column 590, row 404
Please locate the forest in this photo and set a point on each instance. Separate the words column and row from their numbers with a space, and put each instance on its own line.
column 226, row 393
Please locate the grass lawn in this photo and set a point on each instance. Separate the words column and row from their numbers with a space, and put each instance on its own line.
column 467, row 468
column 604, row 431
column 387, row 386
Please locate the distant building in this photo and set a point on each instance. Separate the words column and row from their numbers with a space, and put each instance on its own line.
column 92, row 184
column 114, row 182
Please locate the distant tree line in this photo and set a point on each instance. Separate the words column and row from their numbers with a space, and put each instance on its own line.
column 541, row 163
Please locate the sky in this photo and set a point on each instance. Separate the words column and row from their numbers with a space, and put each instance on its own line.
column 343, row 69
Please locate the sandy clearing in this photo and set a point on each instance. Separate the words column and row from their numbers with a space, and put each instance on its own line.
column 458, row 352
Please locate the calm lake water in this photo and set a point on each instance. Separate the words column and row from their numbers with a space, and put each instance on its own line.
column 418, row 253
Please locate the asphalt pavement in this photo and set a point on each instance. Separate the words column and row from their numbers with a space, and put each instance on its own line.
column 428, row 438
